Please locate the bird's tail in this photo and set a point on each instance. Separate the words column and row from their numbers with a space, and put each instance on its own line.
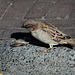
column 71, row 41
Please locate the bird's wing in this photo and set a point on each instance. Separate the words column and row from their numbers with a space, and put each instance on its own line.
column 54, row 33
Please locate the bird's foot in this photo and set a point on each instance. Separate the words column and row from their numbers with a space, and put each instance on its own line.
column 44, row 51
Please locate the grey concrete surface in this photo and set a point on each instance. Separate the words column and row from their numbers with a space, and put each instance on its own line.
column 25, row 60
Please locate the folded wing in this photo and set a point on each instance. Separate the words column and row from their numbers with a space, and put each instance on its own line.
column 54, row 33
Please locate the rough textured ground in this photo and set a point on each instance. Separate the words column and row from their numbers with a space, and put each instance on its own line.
column 25, row 60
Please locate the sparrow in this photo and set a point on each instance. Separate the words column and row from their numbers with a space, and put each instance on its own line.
column 47, row 33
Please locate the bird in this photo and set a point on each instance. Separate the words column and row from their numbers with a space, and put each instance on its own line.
column 47, row 33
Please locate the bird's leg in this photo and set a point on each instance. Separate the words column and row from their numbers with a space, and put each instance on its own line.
column 46, row 51
column 51, row 46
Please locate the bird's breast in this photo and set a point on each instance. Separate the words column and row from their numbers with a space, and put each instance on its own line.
column 42, row 36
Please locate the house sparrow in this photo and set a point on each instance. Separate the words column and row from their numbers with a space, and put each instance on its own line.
column 47, row 33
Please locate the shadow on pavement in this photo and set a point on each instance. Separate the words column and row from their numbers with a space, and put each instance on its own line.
column 29, row 38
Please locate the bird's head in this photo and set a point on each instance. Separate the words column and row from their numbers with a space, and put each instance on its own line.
column 30, row 24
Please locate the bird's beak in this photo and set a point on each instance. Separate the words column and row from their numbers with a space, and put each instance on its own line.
column 25, row 26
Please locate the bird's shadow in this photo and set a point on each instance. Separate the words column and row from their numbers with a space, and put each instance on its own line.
column 29, row 38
